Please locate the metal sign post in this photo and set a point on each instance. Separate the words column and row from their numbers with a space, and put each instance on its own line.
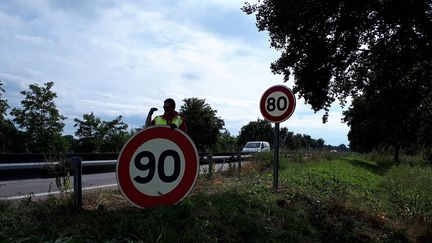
column 76, row 165
column 276, row 157
column 276, row 105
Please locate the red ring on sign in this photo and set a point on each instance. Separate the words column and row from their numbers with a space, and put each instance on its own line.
column 186, row 183
column 291, row 106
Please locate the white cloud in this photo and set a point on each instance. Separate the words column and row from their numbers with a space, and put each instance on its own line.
column 123, row 57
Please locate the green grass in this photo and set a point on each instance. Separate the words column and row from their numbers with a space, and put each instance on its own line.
column 327, row 176
column 322, row 198
column 409, row 192
column 215, row 214
column 401, row 191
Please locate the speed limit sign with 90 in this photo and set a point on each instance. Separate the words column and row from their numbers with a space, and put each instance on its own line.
column 277, row 103
column 157, row 166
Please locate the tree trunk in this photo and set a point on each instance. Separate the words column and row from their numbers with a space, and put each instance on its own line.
column 396, row 153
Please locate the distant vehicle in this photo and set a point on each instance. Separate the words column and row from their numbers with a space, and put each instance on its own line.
column 256, row 146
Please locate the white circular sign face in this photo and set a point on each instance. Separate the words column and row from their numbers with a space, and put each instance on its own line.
column 166, row 167
column 277, row 103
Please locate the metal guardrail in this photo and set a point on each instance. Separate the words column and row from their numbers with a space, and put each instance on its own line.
column 77, row 165
column 45, row 165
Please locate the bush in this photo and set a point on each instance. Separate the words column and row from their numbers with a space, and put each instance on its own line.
column 383, row 160
column 409, row 191
column 264, row 157
column 267, row 159
column 413, row 160
column 4, row 205
column 427, row 156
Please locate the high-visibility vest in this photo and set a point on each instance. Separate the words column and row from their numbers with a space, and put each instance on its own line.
column 160, row 120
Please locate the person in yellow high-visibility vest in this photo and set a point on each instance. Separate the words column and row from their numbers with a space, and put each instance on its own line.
column 170, row 117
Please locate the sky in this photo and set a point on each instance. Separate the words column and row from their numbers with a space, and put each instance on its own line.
column 123, row 57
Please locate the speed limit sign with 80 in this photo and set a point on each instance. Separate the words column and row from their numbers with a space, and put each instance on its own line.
column 277, row 103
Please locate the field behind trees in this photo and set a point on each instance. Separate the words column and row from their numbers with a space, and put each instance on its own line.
column 322, row 197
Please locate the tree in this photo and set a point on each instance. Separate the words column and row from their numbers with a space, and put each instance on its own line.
column 3, row 122
column 136, row 130
column 377, row 50
column 365, row 132
column 284, row 137
column 342, row 148
column 301, row 141
column 95, row 135
column 10, row 138
column 260, row 130
column 295, row 142
column 226, row 143
column 320, row 143
column 307, row 142
column 289, row 141
column 3, row 103
column 71, row 144
column 114, row 135
column 40, row 119
column 298, row 141
column 203, row 124
column 88, row 133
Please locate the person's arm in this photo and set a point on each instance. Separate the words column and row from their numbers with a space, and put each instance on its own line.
column 149, row 116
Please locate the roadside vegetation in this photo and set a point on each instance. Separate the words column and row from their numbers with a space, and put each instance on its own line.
column 322, row 198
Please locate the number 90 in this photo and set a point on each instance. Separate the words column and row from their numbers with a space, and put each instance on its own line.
column 151, row 166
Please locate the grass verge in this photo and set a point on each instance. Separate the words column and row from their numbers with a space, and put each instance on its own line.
column 325, row 200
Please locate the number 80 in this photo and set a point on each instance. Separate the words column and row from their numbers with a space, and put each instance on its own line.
column 281, row 103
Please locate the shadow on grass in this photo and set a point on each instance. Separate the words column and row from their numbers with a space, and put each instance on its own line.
column 231, row 216
column 367, row 165
column 243, row 214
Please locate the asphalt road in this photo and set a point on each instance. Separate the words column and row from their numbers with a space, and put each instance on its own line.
column 23, row 188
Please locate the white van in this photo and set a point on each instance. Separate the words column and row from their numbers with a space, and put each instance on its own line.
column 256, row 146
